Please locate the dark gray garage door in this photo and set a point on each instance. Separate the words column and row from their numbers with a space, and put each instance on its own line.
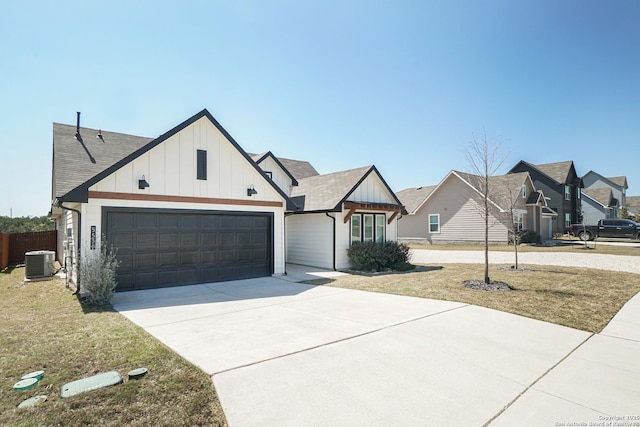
column 159, row 248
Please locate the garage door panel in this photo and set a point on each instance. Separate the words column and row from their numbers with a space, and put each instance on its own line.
column 168, row 221
column 189, row 220
column 167, row 259
column 122, row 241
column 210, row 274
column 145, row 260
column 146, row 240
column 168, row 240
column 149, row 220
column 210, row 221
column 190, row 257
column 189, row 276
column 126, row 260
column 243, row 239
column 209, row 239
column 168, row 277
column 208, row 257
column 188, row 240
column 159, row 248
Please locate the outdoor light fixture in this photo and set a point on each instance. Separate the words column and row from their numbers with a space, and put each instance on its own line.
column 142, row 183
column 251, row 191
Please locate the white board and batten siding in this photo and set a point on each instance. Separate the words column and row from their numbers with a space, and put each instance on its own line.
column 279, row 177
column 371, row 190
column 170, row 170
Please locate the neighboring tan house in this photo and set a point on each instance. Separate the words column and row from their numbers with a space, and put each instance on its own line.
column 561, row 185
column 451, row 212
column 187, row 207
column 617, row 184
column 597, row 204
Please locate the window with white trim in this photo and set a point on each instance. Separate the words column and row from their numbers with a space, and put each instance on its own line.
column 518, row 221
column 567, row 192
column 524, row 191
column 366, row 227
column 579, row 193
column 567, row 220
column 434, row 223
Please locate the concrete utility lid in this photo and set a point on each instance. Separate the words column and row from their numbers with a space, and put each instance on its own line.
column 137, row 373
column 91, row 383
column 33, row 401
column 25, row 384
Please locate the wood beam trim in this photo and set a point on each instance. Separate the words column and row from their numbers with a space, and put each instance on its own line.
column 349, row 215
column 391, row 218
column 180, row 199
column 371, row 206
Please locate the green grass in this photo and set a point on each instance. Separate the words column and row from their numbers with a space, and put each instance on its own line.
column 43, row 326
column 584, row 299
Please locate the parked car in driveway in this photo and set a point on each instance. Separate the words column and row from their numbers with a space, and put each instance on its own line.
column 614, row 228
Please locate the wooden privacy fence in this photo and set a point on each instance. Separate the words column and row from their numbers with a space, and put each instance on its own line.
column 4, row 251
column 19, row 243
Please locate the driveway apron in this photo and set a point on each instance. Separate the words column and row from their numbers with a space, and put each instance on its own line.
column 286, row 353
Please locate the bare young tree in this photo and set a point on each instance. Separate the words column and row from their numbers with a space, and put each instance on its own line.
column 484, row 159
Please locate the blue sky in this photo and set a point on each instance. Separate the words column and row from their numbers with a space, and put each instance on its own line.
column 404, row 85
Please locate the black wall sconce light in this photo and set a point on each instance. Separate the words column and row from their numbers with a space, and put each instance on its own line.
column 142, row 183
column 251, row 191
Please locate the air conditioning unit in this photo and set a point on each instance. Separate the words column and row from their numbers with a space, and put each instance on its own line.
column 39, row 264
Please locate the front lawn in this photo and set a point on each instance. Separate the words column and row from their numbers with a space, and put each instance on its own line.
column 43, row 327
column 576, row 246
column 584, row 299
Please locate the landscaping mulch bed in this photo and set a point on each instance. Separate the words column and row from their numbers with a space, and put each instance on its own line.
column 494, row 285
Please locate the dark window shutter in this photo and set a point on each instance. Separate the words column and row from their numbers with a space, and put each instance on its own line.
column 202, row 164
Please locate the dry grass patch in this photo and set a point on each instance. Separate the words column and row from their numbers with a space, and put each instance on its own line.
column 584, row 299
column 44, row 327
column 573, row 246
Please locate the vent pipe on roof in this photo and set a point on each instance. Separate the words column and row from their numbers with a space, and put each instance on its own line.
column 78, row 137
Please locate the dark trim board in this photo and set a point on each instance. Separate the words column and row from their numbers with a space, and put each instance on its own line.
column 174, row 247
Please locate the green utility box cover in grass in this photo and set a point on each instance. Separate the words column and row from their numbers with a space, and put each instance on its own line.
column 91, row 383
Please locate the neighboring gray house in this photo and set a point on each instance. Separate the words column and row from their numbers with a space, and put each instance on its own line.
column 561, row 186
column 618, row 186
column 451, row 211
column 597, row 204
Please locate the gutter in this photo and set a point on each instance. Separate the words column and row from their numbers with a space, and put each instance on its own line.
column 59, row 204
column 334, row 239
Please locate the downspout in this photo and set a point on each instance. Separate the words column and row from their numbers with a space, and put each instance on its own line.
column 79, row 241
column 334, row 239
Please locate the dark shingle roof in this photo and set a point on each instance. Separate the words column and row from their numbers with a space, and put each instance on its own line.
column 558, row 171
column 413, row 197
column 75, row 162
column 325, row 192
column 299, row 168
column 602, row 195
column 619, row 180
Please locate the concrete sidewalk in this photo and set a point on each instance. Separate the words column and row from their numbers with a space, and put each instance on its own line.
column 284, row 353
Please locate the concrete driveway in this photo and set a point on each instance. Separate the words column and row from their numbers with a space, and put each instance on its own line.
column 285, row 353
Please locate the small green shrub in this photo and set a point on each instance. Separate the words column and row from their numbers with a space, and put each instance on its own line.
column 374, row 256
column 97, row 271
column 526, row 236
